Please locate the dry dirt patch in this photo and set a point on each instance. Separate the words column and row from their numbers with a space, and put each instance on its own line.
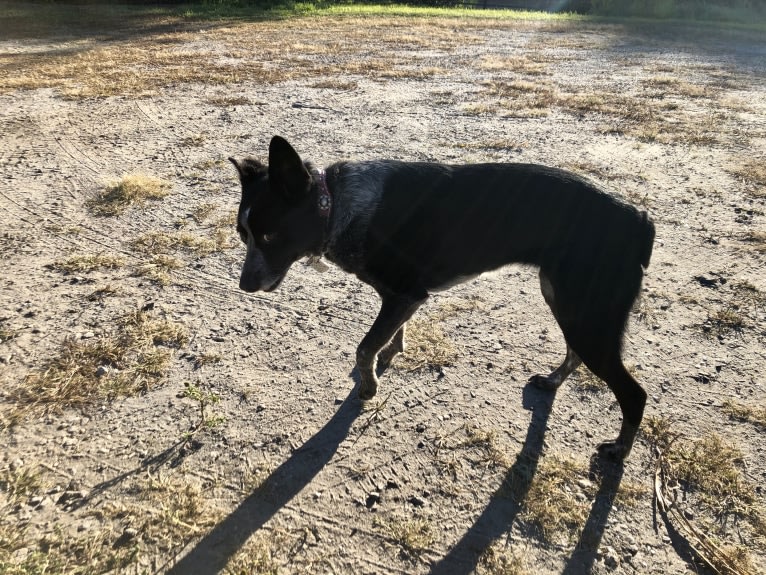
column 235, row 444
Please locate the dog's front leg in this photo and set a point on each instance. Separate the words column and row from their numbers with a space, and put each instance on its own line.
column 395, row 311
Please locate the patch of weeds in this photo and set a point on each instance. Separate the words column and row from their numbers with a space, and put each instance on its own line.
column 752, row 173
column 19, row 482
column 427, row 347
column 203, row 211
column 179, row 511
column 224, row 101
column 757, row 240
column 525, row 65
column 335, row 84
column 586, row 381
column 747, row 413
column 195, row 141
column 204, row 400
column 124, row 363
column 551, row 505
column 7, row 333
column 259, row 555
column 486, row 442
column 724, row 321
column 101, row 292
column 158, row 269
column 55, row 552
column 413, row 536
column 133, row 189
column 165, row 242
column 493, row 562
column 88, row 263
column 709, row 474
column 203, row 359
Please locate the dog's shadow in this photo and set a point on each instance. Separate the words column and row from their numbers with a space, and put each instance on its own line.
column 214, row 550
column 505, row 505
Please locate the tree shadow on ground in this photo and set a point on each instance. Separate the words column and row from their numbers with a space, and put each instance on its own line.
column 506, row 503
column 214, row 550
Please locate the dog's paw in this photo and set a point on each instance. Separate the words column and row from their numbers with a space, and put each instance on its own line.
column 545, row 382
column 368, row 389
column 614, row 450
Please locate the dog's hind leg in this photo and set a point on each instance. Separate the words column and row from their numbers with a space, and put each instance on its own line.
column 394, row 347
column 632, row 399
column 571, row 362
column 396, row 310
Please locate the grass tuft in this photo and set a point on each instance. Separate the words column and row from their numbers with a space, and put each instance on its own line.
column 551, row 505
column 427, row 347
column 413, row 536
column 88, row 263
column 707, row 474
column 747, row 413
column 120, row 364
column 133, row 189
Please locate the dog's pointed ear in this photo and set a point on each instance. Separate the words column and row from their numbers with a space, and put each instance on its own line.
column 237, row 165
column 287, row 174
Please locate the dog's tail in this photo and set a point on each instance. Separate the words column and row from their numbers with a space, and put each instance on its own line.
column 647, row 239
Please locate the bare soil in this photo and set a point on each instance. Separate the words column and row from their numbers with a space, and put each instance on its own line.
column 248, row 451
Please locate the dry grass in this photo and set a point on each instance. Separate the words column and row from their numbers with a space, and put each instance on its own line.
column 586, row 381
column 252, row 53
column 485, row 441
column 101, row 292
column 203, row 211
column 89, row 263
column 159, row 269
column 7, row 333
column 551, row 505
column 20, row 482
column 725, row 321
column 335, row 84
column 756, row 240
column 412, row 536
column 257, row 556
column 494, row 562
column 747, row 413
column 709, row 475
column 133, row 189
column 159, row 242
column 126, row 362
column 427, row 347
column 523, row 64
column 752, row 172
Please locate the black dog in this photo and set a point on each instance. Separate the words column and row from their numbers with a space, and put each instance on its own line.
column 409, row 229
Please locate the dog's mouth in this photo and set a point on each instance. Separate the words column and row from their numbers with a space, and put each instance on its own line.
column 276, row 284
column 250, row 286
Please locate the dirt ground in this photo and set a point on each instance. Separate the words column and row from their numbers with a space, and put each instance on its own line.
column 247, row 451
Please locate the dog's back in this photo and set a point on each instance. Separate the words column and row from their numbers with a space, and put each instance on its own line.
column 435, row 223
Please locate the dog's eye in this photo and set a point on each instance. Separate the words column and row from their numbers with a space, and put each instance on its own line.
column 268, row 238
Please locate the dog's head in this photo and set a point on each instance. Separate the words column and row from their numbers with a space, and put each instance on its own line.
column 277, row 220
